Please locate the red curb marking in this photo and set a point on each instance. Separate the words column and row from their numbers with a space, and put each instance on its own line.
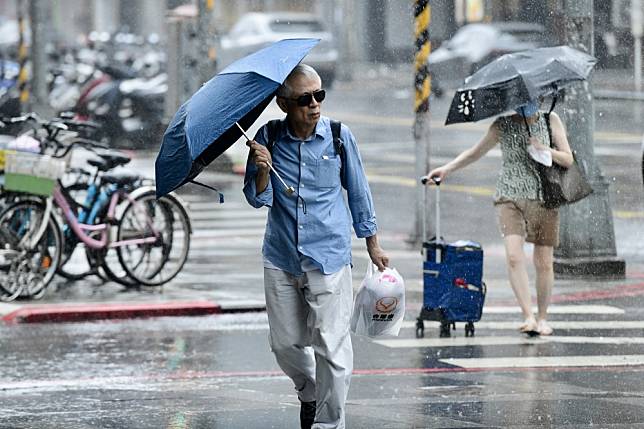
column 77, row 313
column 401, row 371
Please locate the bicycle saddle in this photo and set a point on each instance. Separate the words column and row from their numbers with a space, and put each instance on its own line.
column 120, row 179
column 108, row 160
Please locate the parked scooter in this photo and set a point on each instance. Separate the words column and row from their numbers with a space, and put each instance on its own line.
column 130, row 109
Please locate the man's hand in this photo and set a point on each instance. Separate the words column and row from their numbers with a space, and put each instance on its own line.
column 377, row 255
column 259, row 155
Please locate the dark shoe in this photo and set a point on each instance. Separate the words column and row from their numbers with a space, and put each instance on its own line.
column 307, row 414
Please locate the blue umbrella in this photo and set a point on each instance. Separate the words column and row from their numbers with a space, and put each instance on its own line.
column 215, row 116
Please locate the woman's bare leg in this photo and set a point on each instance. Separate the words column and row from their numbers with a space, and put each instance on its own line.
column 518, row 275
column 545, row 278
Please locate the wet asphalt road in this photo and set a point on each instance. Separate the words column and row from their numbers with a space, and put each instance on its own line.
column 217, row 372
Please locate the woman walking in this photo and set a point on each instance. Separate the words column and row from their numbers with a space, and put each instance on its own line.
column 518, row 198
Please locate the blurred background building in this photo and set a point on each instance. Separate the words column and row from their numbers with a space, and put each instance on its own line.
column 374, row 30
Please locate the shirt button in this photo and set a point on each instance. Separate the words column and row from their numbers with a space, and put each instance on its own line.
column 303, row 164
column 299, row 247
column 300, row 226
column 302, row 185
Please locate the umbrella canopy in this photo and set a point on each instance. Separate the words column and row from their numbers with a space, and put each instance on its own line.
column 514, row 79
column 204, row 126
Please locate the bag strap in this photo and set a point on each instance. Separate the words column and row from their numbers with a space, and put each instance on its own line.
column 273, row 129
column 338, row 145
column 546, row 116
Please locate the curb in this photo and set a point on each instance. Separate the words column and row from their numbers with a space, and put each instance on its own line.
column 119, row 311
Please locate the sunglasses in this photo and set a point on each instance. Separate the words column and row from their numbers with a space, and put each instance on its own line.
column 306, row 99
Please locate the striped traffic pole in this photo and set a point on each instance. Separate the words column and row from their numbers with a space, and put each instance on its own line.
column 23, row 76
column 212, row 52
column 422, row 17
column 422, row 86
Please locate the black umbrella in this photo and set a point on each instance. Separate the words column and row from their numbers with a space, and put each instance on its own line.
column 514, row 79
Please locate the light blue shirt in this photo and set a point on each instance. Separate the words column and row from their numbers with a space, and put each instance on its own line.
column 318, row 230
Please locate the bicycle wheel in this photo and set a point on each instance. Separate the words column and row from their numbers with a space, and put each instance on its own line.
column 27, row 270
column 154, row 263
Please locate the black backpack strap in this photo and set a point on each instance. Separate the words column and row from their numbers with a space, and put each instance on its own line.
column 338, row 145
column 273, row 129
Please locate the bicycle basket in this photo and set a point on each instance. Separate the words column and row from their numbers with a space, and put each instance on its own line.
column 32, row 173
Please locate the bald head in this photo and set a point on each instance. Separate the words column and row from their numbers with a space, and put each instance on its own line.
column 301, row 70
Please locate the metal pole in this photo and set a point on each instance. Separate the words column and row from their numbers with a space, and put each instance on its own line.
column 587, row 235
column 23, row 77
column 422, row 84
column 39, row 57
column 205, row 38
column 637, row 29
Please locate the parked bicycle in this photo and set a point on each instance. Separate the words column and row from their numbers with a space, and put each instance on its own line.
column 149, row 238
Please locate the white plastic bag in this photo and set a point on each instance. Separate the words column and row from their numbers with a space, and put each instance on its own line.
column 379, row 307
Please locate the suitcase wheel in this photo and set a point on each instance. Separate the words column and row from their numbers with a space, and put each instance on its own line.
column 420, row 328
column 469, row 329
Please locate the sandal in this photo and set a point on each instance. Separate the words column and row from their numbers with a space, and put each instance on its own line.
column 529, row 327
column 543, row 328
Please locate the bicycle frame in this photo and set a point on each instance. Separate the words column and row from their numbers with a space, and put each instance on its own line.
column 81, row 229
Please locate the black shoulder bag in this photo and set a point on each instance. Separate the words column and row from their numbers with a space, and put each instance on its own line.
column 562, row 185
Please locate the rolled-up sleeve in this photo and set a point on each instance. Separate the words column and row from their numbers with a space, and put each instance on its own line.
column 358, row 193
column 250, row 187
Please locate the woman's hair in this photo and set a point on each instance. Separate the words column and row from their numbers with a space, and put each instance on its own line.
column 300, row 70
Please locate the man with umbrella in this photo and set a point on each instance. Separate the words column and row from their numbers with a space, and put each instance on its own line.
column 307, row 244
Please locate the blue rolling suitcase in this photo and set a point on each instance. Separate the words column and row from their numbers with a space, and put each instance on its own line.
column 453, row 287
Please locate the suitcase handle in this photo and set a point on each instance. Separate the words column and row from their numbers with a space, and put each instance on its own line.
column 437, row 182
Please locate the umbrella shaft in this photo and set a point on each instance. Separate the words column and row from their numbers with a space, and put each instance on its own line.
column 270, row 165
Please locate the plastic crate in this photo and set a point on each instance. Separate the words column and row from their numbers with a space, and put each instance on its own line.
column 32, row 173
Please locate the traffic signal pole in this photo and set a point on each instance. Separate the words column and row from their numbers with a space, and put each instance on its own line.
column 23, row 58
column 422, row 86
column 587, row 235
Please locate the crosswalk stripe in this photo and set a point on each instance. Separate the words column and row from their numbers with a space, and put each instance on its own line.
column 228, row 224
column 232, row 232
column 558, row 309
column 215, row 215
column 546, row 361
column 501, row 340
column 576, row 324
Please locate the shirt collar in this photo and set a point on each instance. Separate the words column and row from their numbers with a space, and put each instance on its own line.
column 321, row 128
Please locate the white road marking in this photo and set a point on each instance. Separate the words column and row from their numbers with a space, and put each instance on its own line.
column 585, row 324
column 547, row 361
column 515, row 340
column 558, row 309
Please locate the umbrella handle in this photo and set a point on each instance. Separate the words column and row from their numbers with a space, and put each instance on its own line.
column 288, row 189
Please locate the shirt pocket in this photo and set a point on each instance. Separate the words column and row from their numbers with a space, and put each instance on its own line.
column 328, row 172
